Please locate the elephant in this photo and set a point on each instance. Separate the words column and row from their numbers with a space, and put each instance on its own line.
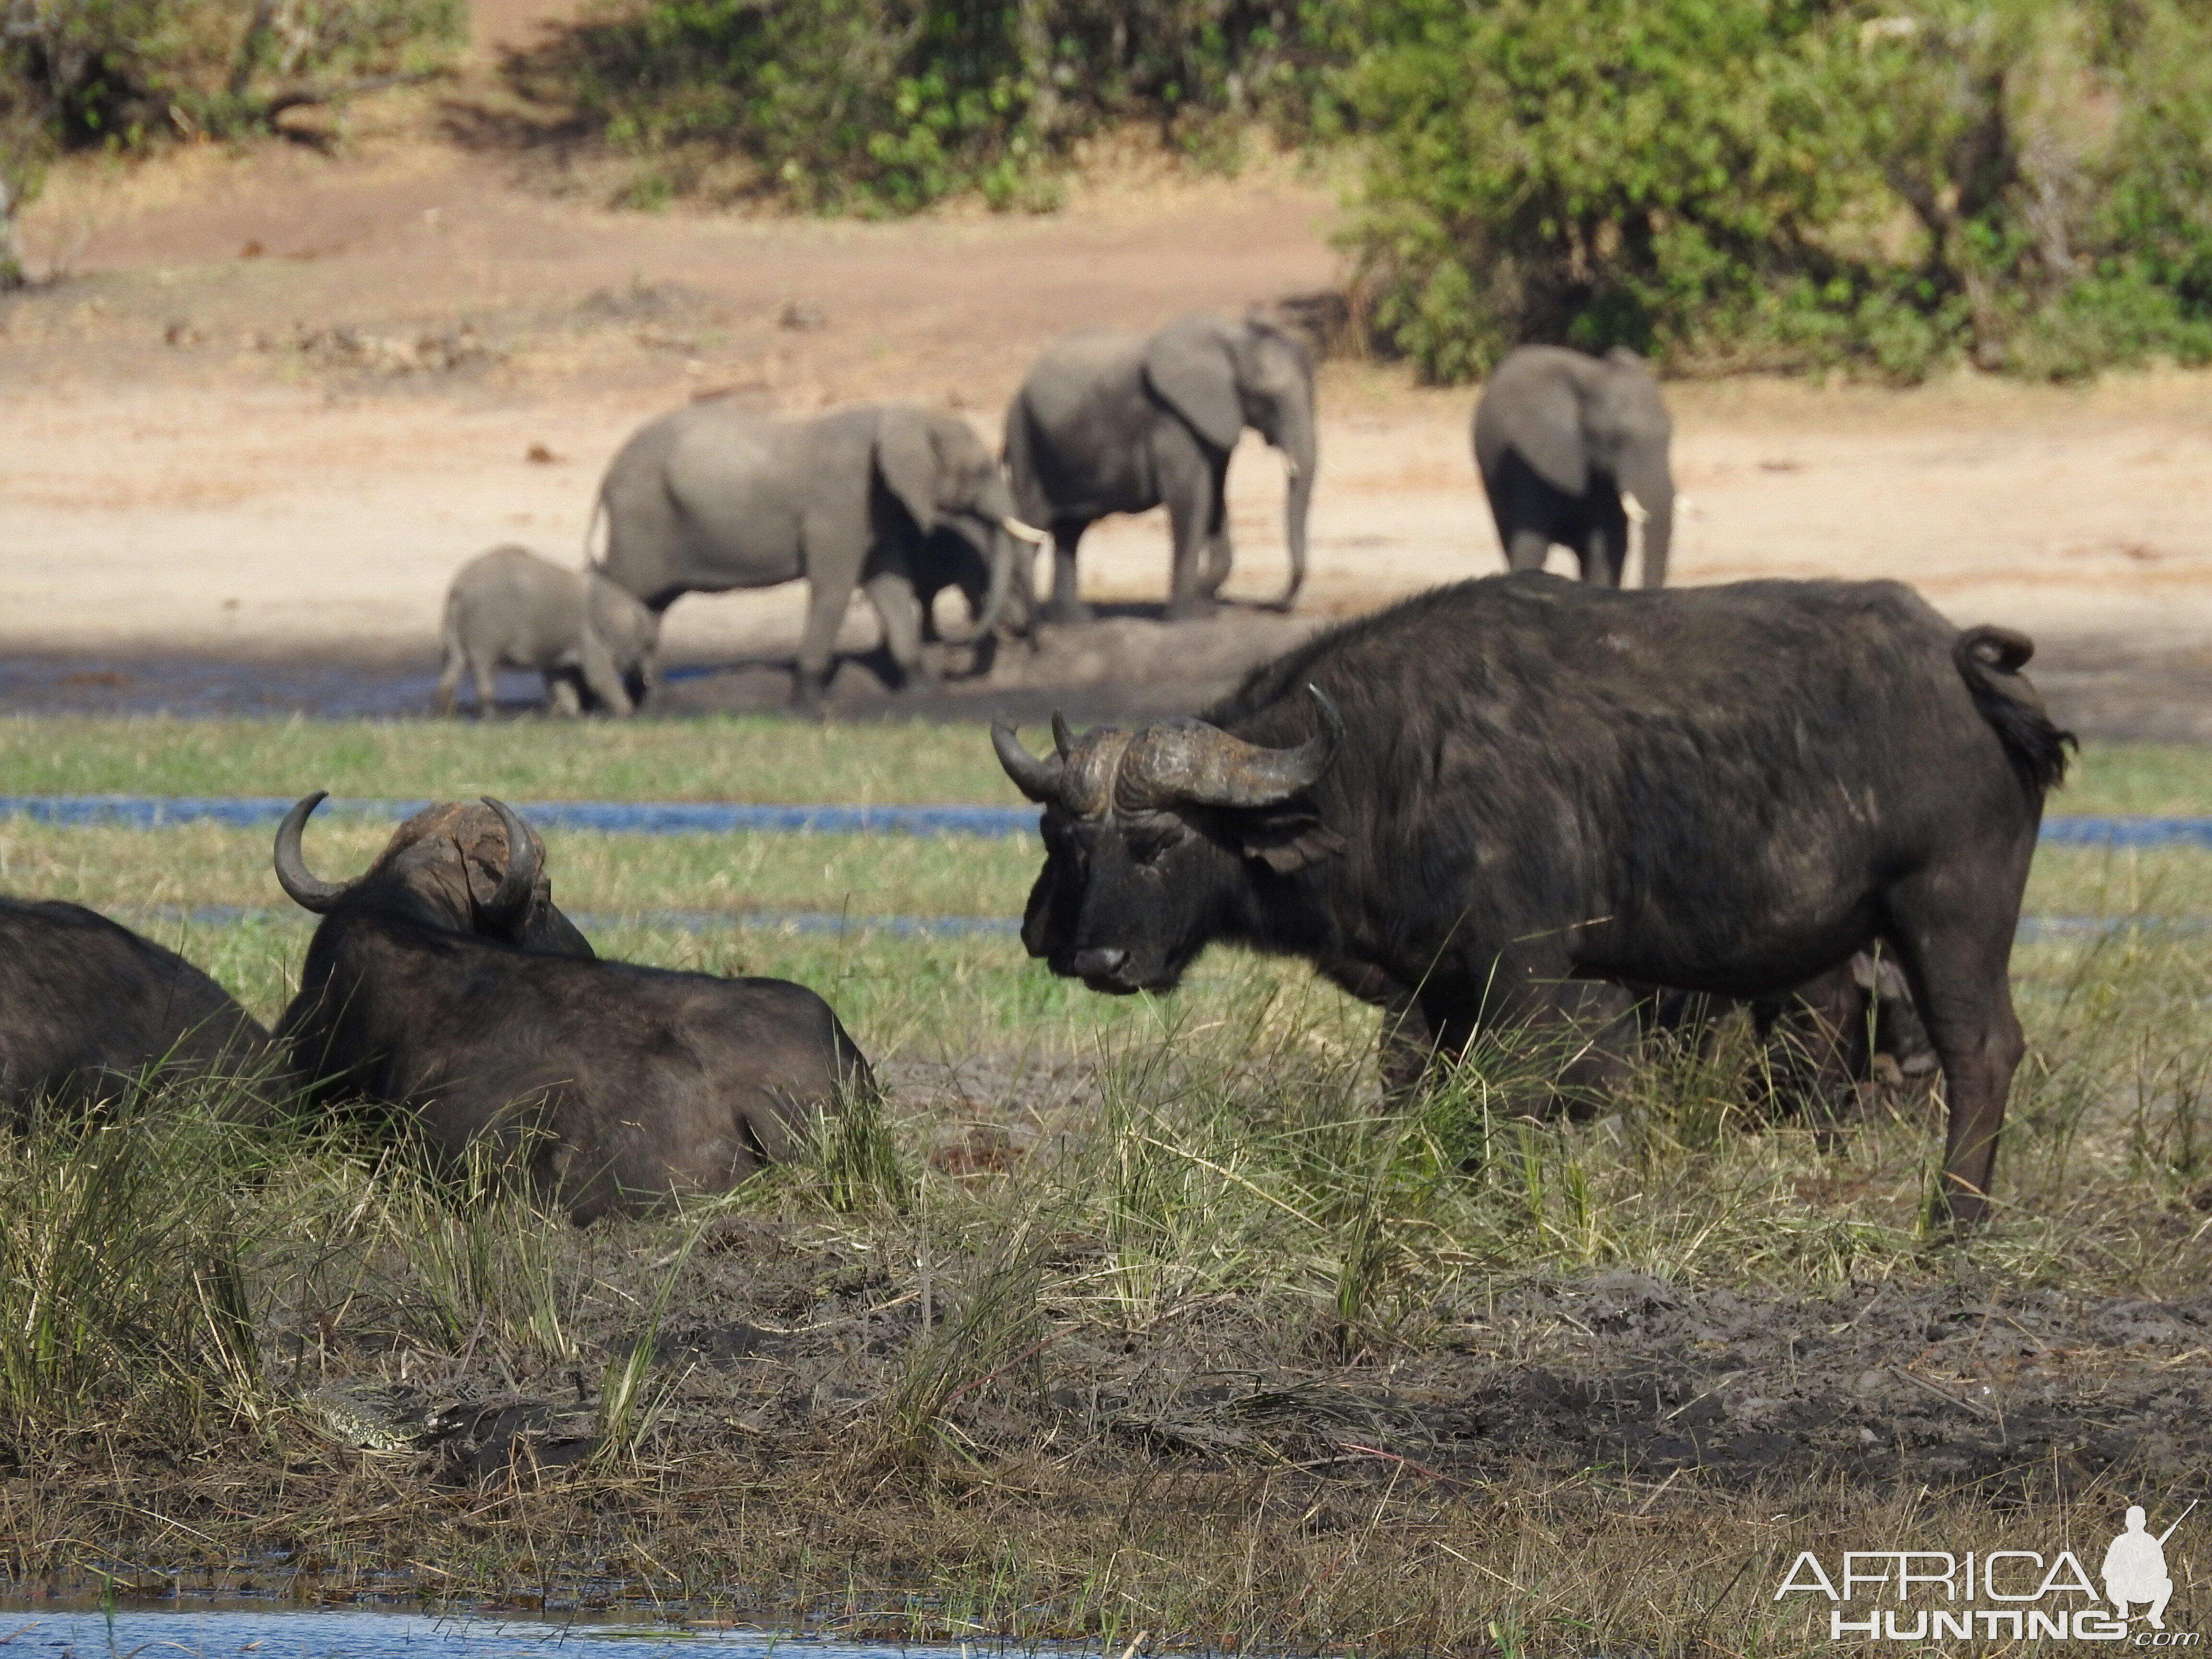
column 1564, row 441
column 1121, row 423
column 711, row 497
column 595, row 644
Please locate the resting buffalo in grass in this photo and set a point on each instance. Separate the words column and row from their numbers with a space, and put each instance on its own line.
column 614, row 1086
column 88, row 1008
column 1471, row 805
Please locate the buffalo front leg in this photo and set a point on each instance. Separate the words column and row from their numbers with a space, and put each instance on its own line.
column 1957, row 965
column 1066, row 604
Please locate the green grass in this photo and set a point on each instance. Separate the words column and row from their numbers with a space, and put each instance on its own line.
column 754, row 758
column 736, row 758
column 1171, row 1198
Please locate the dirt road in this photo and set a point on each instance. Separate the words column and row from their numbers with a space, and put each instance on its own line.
column 274, row 399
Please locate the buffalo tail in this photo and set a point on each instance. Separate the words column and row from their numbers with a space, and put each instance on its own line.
column 1989, row 660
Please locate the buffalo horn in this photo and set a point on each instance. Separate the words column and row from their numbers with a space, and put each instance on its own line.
column 1209, row 767
column 516, row 882
column 305, row 889
column 1028, row 532
column 1039, row 780
column 1062, row 739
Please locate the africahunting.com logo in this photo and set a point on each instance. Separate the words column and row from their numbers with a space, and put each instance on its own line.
column 2016, row 1594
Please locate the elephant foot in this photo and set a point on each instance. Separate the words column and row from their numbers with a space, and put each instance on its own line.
column 1073, row 613
column 806, row 699
column 1192, row 607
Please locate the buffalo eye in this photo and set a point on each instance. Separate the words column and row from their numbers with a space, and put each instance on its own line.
column 1149, row 846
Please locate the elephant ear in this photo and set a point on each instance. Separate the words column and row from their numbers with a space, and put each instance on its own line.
column 906, row 460
column 1191, row 367
column 1543, row 423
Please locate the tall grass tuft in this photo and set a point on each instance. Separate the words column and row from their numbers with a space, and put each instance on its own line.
column 124, row 1299
column 850, row 1155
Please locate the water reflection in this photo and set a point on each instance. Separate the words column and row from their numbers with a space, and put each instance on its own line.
column 368, row 1633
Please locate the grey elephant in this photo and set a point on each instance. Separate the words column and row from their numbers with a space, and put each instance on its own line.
column 712, row 498
column 1563, row 440
column 1122, row 423
column 594, row 643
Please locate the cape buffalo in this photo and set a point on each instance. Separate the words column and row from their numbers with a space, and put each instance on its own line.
column 614, row 1086
column 1471, row 804
column 88, row 1007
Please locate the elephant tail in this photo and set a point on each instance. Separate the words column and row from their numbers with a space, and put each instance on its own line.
column 1989, row 660
column 596, row 561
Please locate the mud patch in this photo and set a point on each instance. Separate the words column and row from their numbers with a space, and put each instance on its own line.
column 1129, row 667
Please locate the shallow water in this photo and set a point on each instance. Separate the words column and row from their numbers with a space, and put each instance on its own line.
column 371, row 1633
column 634, row 818
column 665, row 817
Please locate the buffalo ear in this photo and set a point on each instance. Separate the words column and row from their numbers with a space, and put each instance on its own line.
column 906, row 460
column 1191, row 367
column 1286, row 842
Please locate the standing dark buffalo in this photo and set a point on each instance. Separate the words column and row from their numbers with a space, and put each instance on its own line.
column 450, row 988
column 1471, row 806
column 88, row 1008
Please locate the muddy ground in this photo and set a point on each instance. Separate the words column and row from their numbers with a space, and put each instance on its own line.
column 1956, row 1386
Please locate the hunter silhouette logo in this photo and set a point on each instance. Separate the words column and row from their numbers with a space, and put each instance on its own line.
column 2135, row 1568
column 2019, row 1594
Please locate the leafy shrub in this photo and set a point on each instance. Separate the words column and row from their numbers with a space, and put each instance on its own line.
column 1731, row 182
column 76, row 72
column 886, row 106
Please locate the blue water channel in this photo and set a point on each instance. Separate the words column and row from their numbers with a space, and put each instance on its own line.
column 374, row 1634
column 672, row 817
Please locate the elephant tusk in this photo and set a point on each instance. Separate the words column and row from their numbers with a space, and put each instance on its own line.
column 1638, row 513
column 1027, row 532
column 1291, row 468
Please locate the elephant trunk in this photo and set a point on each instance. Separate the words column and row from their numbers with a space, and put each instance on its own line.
column 1000, row 549
column 1645, row 476
column 1301, row 452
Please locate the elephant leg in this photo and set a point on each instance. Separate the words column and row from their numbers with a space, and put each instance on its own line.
column 561, row 692
column 481, row 670
column 602, row 678
column 1527, row 550
column 449, row 680
column 892, row 595
column 1191, row 514
column 1218, row 555
column 825, row 612
column 1066, row 604
column 1605, row 549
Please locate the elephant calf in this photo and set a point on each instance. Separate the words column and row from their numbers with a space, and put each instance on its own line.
column 596, row 646
column 1564, row 441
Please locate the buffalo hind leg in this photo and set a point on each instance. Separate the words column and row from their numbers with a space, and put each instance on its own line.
column 1957, row 963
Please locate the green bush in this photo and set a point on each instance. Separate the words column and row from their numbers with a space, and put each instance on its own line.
column 886, row 106
column 1726, row 183
column 116, row 72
